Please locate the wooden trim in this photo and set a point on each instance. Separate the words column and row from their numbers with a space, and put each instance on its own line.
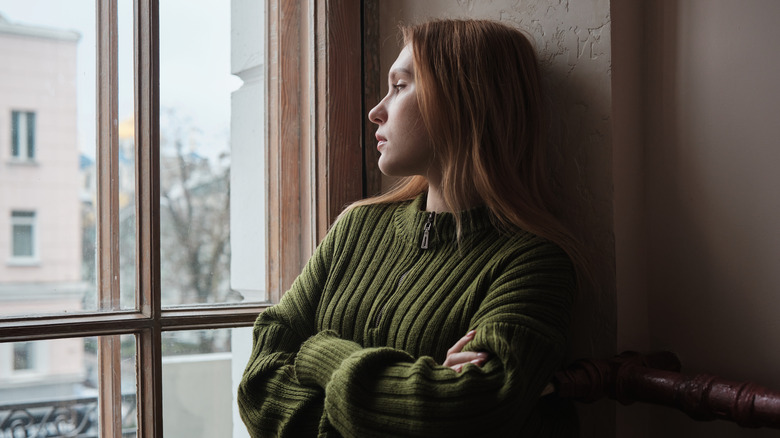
column 339, row 109
column 147, row 137
column 308, row 184
column 149, row 372
column 197, row 318
column 321, row 132
column 36, row 328
column 372, row 79
column 315, row 131
column 284, row 144
column 147, row 150
column 110, row 398
column 273, row 114
column 107, row 158
column 343, row 104
column 108, row 347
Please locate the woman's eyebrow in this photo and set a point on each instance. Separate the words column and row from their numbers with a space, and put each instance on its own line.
column 399, row 71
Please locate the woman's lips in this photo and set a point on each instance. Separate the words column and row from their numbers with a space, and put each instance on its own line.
column 381, row 141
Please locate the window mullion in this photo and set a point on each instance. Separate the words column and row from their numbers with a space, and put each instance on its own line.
column 189, row 318
column 147, row 129
column 109, row 353
column 110, row 399
column 107, row 157
column 149, row 370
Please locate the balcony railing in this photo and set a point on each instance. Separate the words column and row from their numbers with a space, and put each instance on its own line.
column 75, row 417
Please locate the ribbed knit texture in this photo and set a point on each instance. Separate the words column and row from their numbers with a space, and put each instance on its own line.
column 354, row 348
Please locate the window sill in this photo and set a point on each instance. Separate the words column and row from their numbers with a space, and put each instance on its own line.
column 19, row 162
column 24, row 262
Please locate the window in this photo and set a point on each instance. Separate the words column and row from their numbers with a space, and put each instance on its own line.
column 24, row 356
column 153, row 186
column 23, row 135
column 23, row 236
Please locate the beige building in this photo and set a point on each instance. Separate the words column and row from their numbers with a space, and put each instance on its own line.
column 40, row 217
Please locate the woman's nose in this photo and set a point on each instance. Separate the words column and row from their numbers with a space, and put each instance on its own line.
column 378, row 114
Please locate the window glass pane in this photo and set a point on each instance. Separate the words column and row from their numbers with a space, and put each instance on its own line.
column 201, row 372
column 23, row 241
column 15, row 116
column 50, row 388
column 23, row 135
column 23, row 236
column 24, row 356
column 211, row 152
column 126, row 110
column 30, row 135
column 47, row 106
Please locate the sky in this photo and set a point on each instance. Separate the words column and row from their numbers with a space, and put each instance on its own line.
column 195, row 79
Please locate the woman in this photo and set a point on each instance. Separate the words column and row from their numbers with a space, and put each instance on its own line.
column 412, row 320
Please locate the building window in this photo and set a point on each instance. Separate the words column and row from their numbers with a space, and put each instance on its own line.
column 24, row 356
column 23, row 135
column 23, row 235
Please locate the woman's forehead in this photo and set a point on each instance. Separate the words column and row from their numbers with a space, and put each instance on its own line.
column 404, row 64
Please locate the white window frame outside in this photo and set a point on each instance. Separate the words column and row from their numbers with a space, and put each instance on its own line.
column 21, row 149
column 39, row 362
column 30, row 220
column 33, row 360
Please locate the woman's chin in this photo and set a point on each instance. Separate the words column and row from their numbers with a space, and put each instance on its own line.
column 385, row 167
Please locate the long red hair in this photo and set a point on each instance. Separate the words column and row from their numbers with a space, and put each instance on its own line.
column 479, row 90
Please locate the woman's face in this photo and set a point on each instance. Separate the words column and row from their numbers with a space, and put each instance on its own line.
column 404, row 144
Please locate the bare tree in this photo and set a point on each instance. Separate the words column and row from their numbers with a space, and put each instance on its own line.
column 195, row 208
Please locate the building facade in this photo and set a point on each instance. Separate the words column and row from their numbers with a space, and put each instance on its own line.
column 40, row 209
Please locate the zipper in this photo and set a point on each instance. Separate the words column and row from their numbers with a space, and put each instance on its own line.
column 427, row 230
column 426, row 237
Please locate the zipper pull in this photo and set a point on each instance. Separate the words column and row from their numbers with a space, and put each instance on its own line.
column 427, row 229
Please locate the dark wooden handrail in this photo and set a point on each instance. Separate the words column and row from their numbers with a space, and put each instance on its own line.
column 656, row 378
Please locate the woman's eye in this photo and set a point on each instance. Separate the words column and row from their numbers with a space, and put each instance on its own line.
column 398, row 87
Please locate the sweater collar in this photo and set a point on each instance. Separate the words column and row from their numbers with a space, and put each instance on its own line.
column 410, row 219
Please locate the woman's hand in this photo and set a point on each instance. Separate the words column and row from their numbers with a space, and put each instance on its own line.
column 456, row 357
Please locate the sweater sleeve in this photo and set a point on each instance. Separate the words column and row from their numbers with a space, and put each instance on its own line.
column 523, row 323
column 270, row 400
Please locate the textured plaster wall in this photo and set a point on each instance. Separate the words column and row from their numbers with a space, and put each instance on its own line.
column 573, row 41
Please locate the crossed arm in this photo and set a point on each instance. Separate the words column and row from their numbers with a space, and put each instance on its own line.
column 301, row 381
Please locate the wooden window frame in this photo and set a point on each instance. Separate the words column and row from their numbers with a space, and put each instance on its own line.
column 327, row 76
column 315, row 134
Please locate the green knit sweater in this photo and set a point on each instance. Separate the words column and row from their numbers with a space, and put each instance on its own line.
column 354, row 347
